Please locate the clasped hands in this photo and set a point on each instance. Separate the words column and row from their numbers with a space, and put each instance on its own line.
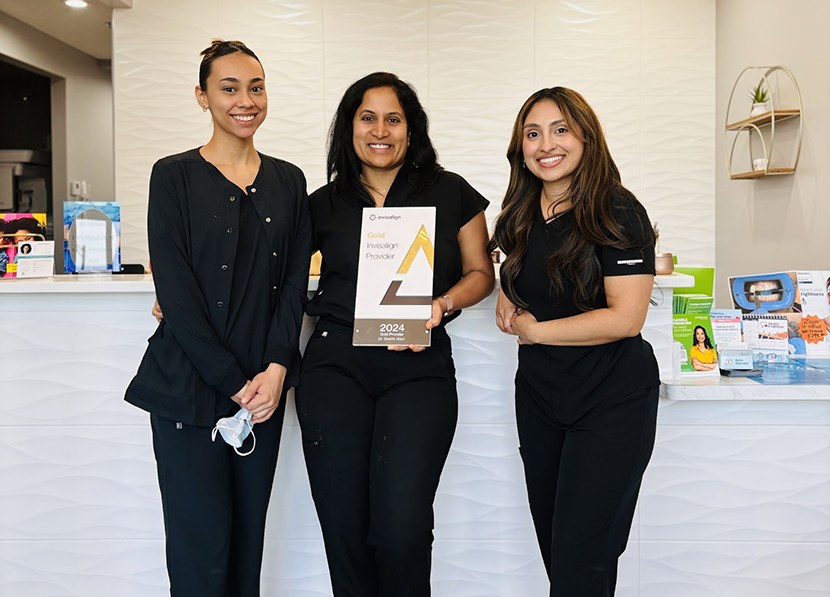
column 515, row 321
column 261, row 395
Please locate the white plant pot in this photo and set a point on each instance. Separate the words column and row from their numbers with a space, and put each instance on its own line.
column 758, row 109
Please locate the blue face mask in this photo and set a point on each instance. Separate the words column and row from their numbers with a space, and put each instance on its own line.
column 235, row 429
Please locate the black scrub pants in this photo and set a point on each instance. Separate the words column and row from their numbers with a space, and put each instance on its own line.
column 582, row 484
column 377, row 427
column 214, row 503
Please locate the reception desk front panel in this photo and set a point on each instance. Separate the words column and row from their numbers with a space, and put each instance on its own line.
column 735, row 501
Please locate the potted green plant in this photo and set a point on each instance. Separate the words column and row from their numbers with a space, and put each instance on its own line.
column 759, row 96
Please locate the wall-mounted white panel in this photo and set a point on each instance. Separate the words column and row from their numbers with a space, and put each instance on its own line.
column 165, row 72
column 83, row 568
column 457, row 126
column 271, row 20
column 629, row 166
column 293, row 128
column 483, row 496
column 697, row 569
column 495, row 69
column 675, row 20
column 160, row 21
column 72, row 483
column 345, row 63
column 600, row 67
column 367, row 21
column 474, row 21
column 620, row 119
column 679, row 67
column 295, row 569
column 494, row 569
column 673, row 183
column 738, row 484
column 292, row 70
column 587, row 19
column 150, row 130
column 677, row 125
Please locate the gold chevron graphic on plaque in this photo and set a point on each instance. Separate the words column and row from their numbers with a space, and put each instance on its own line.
column 421, row 242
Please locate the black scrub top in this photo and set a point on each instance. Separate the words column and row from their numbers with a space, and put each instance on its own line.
column 578, row 377
column 336, row 224
column 230, row 268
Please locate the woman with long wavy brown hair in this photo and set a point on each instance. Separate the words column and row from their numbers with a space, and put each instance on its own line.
column 575, row 289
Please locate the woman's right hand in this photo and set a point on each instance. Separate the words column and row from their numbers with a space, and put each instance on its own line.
column 504, row 313
column 157, row 311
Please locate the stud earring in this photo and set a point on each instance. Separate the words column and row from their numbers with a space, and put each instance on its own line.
column 204, row 109
column 524, row 165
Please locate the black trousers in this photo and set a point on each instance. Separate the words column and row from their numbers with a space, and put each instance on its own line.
column 582, row 485
column 377, row 427
column 214, row 505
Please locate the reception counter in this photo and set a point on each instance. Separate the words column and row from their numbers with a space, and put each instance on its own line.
column 736, row 501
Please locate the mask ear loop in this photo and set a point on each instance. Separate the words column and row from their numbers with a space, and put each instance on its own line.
column 235, row 449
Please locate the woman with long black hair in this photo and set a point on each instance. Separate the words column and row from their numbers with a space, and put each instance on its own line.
column 377, row 422
column 575, row 289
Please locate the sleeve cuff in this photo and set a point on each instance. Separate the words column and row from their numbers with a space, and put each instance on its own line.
column 230, row 383
column 288, row 358
column 279, row 354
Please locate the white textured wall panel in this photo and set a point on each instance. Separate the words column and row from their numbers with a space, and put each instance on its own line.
column 729, row 483
column 271, row 20
column 82, row 568
column 588, row 19
column 182, row 21
column 474, row 21
column 696, row 569
column 674, row 20
column 344, row 63
column 592, row 67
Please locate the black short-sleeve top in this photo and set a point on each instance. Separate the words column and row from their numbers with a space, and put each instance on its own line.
column 336, row 226
column 584, row 372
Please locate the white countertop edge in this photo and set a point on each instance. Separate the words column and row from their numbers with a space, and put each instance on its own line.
column 79, row 284
column 120, row 283
column 723, row 388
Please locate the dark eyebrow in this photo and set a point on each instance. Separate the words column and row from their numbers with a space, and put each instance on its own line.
column 235, row 80
column 533, row 124
column 368, row 111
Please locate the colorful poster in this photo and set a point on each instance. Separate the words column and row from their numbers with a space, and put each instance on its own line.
column 14, row 229
column 699, row 355
column 810, row 333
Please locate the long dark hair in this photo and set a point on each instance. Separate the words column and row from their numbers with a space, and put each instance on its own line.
column 216, row 49
column 706, row 342
column 344, row 167
column 594, row 183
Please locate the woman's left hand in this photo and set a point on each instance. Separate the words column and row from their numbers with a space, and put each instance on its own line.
column 262, row 396
column 437, row 315
column 523, row 324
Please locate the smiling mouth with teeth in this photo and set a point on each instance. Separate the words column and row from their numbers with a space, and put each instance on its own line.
column 243, row 118
column 552, row 160
column 379, row 146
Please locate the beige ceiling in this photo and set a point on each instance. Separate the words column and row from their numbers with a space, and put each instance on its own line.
column 86, row 29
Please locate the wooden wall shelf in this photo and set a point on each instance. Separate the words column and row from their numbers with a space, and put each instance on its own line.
column 760, row 129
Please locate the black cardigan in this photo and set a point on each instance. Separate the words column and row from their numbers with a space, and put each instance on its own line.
column 193, row 233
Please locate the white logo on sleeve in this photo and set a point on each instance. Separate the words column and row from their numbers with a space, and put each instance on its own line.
column 629, row 261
